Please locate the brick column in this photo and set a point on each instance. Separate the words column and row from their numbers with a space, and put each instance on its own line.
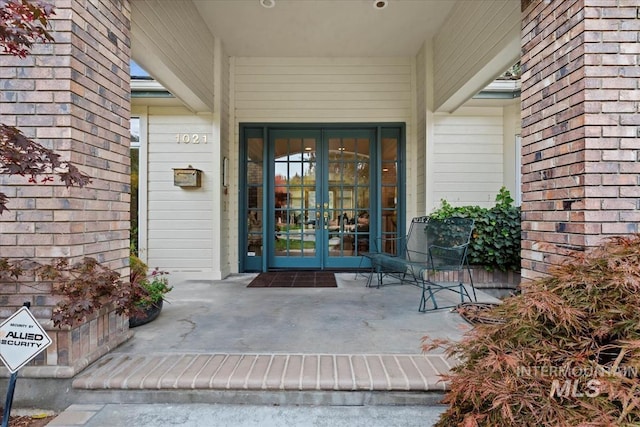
column 73, row 96
column 580, row 127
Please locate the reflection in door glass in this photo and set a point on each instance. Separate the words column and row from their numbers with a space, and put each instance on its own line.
column 349, row 168
column 295, row 188
column 389, row 193
column 254, row 199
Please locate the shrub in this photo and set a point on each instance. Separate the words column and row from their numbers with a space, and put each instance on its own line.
column 496, row 240
column 138, row 270
column 86, row 286
column 566, row 352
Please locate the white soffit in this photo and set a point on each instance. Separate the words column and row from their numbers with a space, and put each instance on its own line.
column 323, row 28
column 171, row 41
column 478, row 42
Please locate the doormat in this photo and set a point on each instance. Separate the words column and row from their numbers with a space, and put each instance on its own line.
column 294, row 279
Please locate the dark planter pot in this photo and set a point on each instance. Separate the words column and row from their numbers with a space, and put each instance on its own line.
column 149, row 314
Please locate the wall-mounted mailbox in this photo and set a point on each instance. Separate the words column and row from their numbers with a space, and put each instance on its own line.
column 187, row 177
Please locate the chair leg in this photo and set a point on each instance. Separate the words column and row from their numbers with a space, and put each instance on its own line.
column 359, row 270
column 369, row 278
column 473, row 288
column 424, row 299
column 463, row 292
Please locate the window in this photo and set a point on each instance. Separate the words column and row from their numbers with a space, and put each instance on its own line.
column 135, row 167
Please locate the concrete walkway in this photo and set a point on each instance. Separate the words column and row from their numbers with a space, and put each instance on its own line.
column 290, row 356
column 201, row 415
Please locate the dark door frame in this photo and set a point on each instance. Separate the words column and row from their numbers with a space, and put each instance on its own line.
column 394, row 130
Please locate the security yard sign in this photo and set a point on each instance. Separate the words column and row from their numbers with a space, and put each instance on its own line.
column 21, row 339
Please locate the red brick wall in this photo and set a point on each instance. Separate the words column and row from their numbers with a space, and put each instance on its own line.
column 72, row 96
column 580, row 127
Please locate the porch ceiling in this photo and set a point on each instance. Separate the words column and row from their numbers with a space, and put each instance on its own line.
column 323, row 28
column 473, row 41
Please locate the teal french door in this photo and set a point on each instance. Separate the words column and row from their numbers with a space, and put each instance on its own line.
column 317, row 197
column 321, row 184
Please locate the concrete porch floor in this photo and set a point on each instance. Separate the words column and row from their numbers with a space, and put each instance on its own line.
column 223, row 346
column 224, row 336
column 227, row 317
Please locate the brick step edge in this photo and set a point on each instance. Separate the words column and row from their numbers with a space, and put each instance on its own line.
column 223, row 371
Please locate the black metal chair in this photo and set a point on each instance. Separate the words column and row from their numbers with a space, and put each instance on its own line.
column 433, row 257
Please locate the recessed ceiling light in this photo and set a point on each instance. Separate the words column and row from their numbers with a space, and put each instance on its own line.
column 268, row 3
column 380, row 4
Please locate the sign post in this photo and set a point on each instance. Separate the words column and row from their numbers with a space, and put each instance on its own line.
column 9, row 400
column 21, row 339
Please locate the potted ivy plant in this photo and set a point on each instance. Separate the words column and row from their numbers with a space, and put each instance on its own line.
column 148, row 291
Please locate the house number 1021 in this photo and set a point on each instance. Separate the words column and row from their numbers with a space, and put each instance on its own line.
column 191, row 138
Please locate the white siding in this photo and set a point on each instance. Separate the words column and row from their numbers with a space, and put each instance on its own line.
column 323, row 89
column 179, row 219
column 468, row 156
column 194, row 232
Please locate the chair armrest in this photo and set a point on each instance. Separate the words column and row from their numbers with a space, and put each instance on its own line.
column 448, row 248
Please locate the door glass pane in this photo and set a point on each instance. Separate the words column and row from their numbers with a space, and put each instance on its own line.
column 294, row 198
column 348, row 185
column 389, row 192
column 255, row 211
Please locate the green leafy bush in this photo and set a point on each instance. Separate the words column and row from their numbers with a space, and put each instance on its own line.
column 565, row 352
column 495, row 243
